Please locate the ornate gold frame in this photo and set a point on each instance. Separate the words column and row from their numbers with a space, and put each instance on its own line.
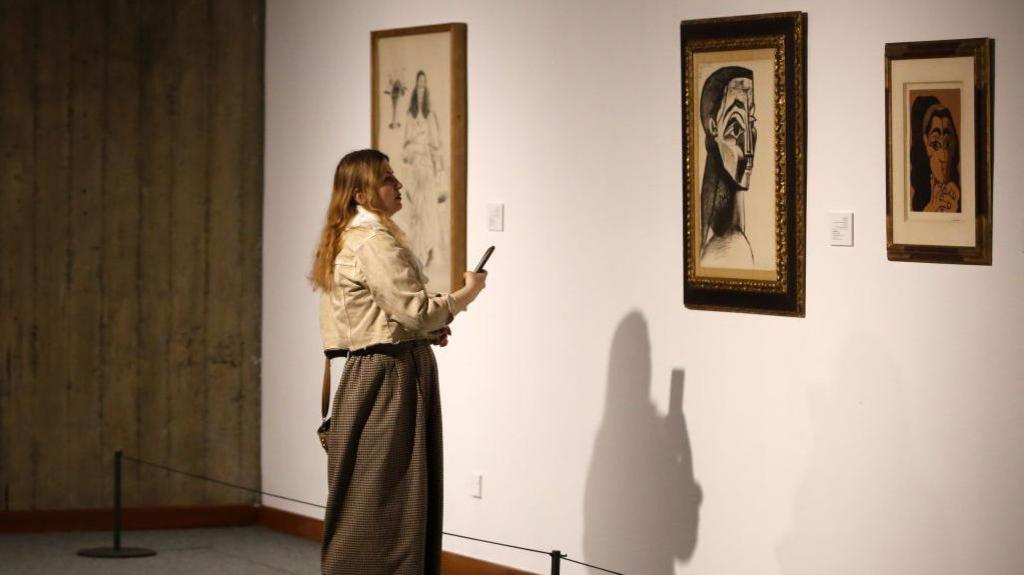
column 784, row 34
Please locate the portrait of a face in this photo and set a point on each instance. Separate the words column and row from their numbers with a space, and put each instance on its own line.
column 727, row 115
column 744, row 109
column 733, row 131
column 935, row 151
column 939, row 111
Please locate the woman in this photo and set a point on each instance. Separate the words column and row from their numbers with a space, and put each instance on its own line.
column 384, row 464
column 422, row 145
column 428, row 188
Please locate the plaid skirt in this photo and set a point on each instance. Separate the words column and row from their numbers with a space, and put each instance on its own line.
column 384, row 469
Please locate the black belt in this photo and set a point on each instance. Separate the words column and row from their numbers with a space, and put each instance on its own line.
column 376, row 348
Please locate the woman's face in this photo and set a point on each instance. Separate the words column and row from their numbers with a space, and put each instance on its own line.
column 421, row 83
column 389, row 194
column 735, row 131
column 940, row 144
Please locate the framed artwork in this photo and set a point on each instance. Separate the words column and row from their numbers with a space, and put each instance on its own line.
column 938, row 110
column 744, row 166
column 418, row 99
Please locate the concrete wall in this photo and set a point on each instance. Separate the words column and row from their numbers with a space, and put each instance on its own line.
column 131, row 190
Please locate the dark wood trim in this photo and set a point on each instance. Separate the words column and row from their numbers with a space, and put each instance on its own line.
column 184, row 517
column 292, row 523
column 311, row 528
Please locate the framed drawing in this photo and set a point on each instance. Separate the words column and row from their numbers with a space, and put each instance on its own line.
column 418, row 100
column 744, row 145
column 938, row 110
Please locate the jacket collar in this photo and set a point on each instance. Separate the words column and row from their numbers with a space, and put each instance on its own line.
column 365, row 217
column 369, row 219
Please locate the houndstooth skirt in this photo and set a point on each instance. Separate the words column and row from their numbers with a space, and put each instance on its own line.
column 384, row 468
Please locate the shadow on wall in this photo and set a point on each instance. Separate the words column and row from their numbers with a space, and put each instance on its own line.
column 866, row 505
column 642, row 504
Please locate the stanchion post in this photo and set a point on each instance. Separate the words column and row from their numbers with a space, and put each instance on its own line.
column 556, row 562
column 117, row 499
column 117, row 551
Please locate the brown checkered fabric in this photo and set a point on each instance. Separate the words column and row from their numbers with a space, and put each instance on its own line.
column 384, row 467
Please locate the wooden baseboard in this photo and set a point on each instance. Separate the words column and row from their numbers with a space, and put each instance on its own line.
column 186, row 517
column 183, row 517
column 292, row 523
column 311, row 528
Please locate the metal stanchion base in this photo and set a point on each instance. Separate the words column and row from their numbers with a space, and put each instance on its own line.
column 122, row 553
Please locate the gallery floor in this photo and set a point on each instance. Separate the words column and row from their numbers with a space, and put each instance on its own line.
column 224, row 551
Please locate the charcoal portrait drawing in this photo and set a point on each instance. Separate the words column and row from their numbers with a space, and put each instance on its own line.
column 727, row 116
column 419, row 122
column 743, row 109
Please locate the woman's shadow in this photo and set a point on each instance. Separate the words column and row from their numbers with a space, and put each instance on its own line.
column 642, row 502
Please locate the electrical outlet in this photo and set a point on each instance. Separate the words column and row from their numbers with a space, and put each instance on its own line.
column 1022, row 233
column 477, row 486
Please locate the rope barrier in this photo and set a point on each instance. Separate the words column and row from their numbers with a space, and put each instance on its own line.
column 118, row 551
column 497, row 543
column 591, row 566
column 212, row 480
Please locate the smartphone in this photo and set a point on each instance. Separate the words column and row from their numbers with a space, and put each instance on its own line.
column 483, row 261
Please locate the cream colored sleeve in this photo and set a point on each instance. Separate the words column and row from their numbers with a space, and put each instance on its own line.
column 396, row 287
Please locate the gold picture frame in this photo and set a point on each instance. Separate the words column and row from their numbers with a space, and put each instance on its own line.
column 418, row 118
column 938, row 104
column 744, row 163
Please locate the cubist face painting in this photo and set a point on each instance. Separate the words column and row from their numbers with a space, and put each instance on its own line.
column 734, row 131
column 940, row 143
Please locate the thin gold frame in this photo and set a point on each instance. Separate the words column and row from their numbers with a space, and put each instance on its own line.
column 981, row 50
column 457, row 115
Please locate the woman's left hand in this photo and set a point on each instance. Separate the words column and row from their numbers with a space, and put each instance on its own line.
column 440, row 337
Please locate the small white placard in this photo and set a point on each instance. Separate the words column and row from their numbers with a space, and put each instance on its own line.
column 841, row 228
column 496, row 217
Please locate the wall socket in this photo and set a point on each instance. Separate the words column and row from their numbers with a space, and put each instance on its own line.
column 1021, row 233
column 476, row 487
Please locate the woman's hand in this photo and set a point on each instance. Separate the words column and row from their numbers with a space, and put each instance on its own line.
column 475, row 281
column 440, row 337
column 474, row 284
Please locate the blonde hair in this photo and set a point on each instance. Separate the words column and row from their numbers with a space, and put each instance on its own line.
column 359, row 171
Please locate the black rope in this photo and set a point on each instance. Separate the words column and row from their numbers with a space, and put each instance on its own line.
column 292, row 499
column 203, row 477
column 496, row 543
column 591, row 566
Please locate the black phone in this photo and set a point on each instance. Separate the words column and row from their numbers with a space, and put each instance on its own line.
column 483, row 261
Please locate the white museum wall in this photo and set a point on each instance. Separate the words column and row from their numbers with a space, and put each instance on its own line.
column 881, row 434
